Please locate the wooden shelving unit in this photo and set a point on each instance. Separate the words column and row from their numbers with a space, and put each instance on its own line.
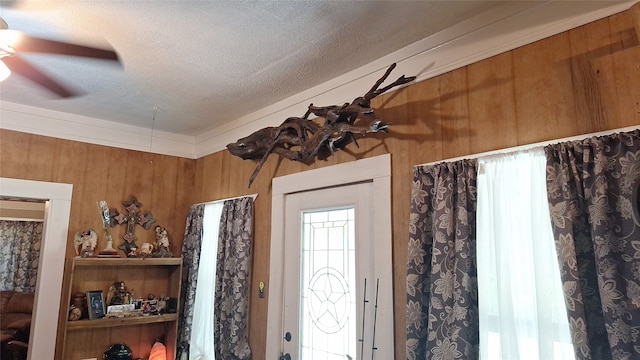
column 83, row 339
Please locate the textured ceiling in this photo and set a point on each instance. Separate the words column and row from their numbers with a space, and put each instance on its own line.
column 204, row 67
column 191, row 66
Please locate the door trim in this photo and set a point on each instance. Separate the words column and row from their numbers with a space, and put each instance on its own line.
column 376, row 169
column 46, row 306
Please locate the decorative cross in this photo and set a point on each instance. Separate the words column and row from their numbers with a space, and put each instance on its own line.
column 131, row 218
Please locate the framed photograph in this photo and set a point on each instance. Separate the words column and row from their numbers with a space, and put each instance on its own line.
column 95, row 304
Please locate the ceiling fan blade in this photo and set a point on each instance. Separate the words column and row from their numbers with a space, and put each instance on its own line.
column 29, row 44
column 22, row 67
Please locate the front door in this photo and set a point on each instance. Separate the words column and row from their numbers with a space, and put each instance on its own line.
column 334, row 275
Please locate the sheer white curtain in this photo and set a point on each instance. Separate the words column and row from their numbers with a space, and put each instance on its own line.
column 202, row 337
column 521, row 304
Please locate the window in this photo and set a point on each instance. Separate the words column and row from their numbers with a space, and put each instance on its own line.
column 328, row 284
column 521, row 305
column 202, row 331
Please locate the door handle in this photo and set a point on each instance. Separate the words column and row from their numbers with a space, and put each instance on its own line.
column 285, row 357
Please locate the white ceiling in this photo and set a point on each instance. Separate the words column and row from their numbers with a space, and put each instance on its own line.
column 190, row 67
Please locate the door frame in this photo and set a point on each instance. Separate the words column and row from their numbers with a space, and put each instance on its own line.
column 46, row 307
column 375, row 169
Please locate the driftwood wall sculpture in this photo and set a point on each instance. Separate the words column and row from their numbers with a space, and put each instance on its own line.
column 303, row 139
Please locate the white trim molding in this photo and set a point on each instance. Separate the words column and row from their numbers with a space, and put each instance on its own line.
column 34, row 120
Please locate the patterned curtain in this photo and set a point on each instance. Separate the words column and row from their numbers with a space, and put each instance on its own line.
column 442, row 287
column 593, row 196
column 231, row 313
column 190, row 259
column 19, row 254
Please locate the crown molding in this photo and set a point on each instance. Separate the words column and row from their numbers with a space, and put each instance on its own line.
column 34, row 120
column 511, row 25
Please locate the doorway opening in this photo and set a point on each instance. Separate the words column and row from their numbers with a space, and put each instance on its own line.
column 42, row 340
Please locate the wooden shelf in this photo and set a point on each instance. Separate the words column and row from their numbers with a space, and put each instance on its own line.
column 126, row 261
column 83, row 339
column 125, row 321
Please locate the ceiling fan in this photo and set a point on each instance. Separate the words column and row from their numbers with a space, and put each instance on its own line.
column 12, row 43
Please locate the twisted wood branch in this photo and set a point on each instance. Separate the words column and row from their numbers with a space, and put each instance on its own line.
column 303, row 139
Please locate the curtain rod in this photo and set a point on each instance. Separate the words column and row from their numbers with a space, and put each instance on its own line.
column 254, row 196
column 534, row 145
column 4, row 218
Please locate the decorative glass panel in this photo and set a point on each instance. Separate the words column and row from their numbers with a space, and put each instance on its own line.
column 328, row 278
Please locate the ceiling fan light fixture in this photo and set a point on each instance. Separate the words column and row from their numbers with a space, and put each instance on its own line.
column 4, row 71
column 6, row 38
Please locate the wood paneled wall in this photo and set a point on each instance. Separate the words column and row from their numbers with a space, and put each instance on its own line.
column 163, row 184
column 578, row 82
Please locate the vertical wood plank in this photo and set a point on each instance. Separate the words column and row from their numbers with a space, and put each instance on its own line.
column 544, row 99
column 635, row 13
column 211, row 177
column 395, row 109
column 587, row 90
column 454, row 105
column 492, row 114
column 11, row 161
column 423, row 128
column 618, row 73
column 235, row 177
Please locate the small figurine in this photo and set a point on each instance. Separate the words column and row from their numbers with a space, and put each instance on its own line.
column 146, row 307
column 132, row 252
column 109, row 251
column 162, row 304
column 117, row 294
column 78, row 308
column 146, row 249
column 106, row 220
column 87, row 241
column 118, row 352
column 161, row 248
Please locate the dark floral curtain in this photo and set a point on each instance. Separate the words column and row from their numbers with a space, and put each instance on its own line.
column 231, row 313
column 20, row 243
column 191, row 246
column 442, row 287
column 593, row 196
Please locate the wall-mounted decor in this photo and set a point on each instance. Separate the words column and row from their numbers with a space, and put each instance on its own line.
column 130, row 219
column 333, row 128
